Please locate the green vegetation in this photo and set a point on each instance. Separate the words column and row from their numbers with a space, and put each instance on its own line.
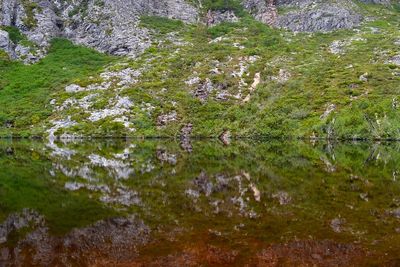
column 30, row 7
column 301, row 79
column 162, row 25
column 25, row 91
column 224, row 5
column 17, row 37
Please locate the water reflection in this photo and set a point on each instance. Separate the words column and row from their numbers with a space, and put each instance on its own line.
column 117, row 202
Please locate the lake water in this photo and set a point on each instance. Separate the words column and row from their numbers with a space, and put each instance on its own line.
column 162, row 203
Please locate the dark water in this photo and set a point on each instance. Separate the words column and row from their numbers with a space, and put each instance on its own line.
column 153, row 203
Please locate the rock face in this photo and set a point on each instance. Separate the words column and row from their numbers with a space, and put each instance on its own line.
column 263, row 10
column 110, row 26
column 6, row 44
column 216, row 17
column 323, row 17
column 306, row 15
column 113, row 26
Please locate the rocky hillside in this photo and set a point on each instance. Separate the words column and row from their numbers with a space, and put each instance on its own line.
column 260, row 68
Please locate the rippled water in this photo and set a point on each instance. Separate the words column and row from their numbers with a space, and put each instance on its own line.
column 155, row 203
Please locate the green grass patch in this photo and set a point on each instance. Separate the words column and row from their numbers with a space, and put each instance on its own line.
column 26, row 90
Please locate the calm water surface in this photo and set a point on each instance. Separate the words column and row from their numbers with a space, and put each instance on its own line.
column 154, row 203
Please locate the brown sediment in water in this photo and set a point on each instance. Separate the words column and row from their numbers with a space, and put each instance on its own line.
column 311, row 253
column 324, row 253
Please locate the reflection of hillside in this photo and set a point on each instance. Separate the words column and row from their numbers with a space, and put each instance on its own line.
column 111, row 241
column 271, row 191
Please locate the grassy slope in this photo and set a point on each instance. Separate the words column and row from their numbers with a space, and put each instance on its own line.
column 319, row 78
column 25, row 90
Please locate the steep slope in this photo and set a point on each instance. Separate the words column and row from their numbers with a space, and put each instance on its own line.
column 108, row 26
column 216, row 70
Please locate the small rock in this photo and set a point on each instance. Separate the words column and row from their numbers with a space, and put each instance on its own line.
column 256, row 82
column 165, row 119
column 283, row 76
column 395, row 60
column 337, row 47
column 204, row 89
column 225, row 137
column 74, row 88
column 330, row 108
column 364, row 77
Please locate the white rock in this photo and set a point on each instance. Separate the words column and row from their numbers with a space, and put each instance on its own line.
column 74, row 88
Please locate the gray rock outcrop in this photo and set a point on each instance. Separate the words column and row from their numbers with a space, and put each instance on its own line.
column 6, row 44
column 111, row 26
column 306, row 15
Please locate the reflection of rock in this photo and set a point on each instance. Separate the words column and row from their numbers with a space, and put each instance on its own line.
column 395, row 213
column 60, row 151
column 203, row 183
column 105, row 242
column 26, row 219
column 122, row 196
column 337, row 225
column 186, row 132
column 120, row 169
column 225, row 194
column 90, row 170
column 225, row 137
column 329, row 167
column 283, row 198
column 164, row 156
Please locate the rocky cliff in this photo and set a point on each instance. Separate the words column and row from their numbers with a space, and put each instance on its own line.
column 109, row 26
column 113, row 26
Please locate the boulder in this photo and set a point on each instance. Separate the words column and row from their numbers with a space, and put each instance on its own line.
column 6, row 44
